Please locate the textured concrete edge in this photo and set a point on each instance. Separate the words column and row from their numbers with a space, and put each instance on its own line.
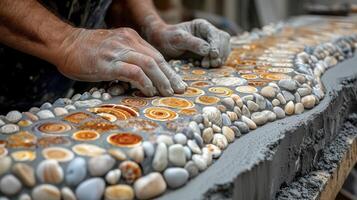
column 256, row 165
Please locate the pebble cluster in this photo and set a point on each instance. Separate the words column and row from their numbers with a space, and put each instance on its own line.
column 104, row 144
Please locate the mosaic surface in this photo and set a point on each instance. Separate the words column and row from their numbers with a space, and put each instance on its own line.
column 117, row 144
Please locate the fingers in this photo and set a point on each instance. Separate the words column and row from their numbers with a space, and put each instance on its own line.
column 152, row 71
column 134, row 75
column 185, row 41
column 177, row 84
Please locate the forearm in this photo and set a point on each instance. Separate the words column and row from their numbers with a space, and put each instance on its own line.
column 29, row 27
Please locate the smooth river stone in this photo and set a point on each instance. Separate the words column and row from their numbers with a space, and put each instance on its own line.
column 192, row 169
column 228, row 133
column 304, row 91
column 160, row 160
column 119, row 154
column 259, row 118
column 91, row 189
column 149, row 148
column 237, row 100
column 13, row 116
column 45, row 114
column 59, row 111
column 271, row 116
column 46, row 192
column 176, row 177
column 194, row 146
column 199, row 161
column 289, row 108
column 308, row 101
column 252, row 106
column 260, row 100
column 25, row 196
column 216, row 129
column 136, row 154
column 49, row 171
column 281, row 98
column 68, row 194
column 275, row 102
column 180, row 138
column 113, row 176
column 207, row 135
column 299, row 108
column 188, row 152
column 25, row 173
column 106, row 96
column 119, row 192
column 213, row 115
column 100, row 165
column 165, row 139
column 228, row 102
column 87, row 103
column 177, row 155
column 242, row 126
column 5, row 164
column 194, row 126
column 10, row 185
column 150, row 186
column 220, row 141
column 251, row 124
column 9, row 128
column 288, row 84
column 280, row 113
column 288, row 96
column 268, row 92
column 76, row 171
column 96, row 95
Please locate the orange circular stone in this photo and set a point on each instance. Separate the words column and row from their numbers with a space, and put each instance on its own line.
column 274, row 76
column 160, row 114
column 188, row 111
column 58, row 153
column 54, row 127
column 85, row 135
column 124, row 139
column 201, row 84
column 192, row 77
column 21, row 139
column 198, row 72
column 97, row 125
column 173, row 102
column 23, row 155
column 135, row 102
column 77, row 117
column 121, row 112
column 221, row 91
column 257, row 83
column 246, row 89
column 140, row 124
column 207, row 100
column 192, row 92
column 249, row 76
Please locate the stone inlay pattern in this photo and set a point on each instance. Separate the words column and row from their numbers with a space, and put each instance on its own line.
column 118, row 144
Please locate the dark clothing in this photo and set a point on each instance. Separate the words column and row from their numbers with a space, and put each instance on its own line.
column 27, row 81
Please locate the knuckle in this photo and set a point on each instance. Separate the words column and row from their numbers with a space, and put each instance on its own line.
column 135, row 73
column 201, row 21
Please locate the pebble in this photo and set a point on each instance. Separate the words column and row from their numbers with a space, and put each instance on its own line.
column 149, row 149
column 237, row 100
column 10, row 185
column 236, row 131
column 216, row 128
column 49, row 171
column 106, row 96
column 275, row 102
column 228, row 133
column 150, row 186
column 180, row 138
column 130, row 171
column 5, row 164
column 85, row 96
column 176, row 177
column 238, row 111
column 113, row 176
column 91, row 189
column 252, row 106
column 247, row 98
column 280, row 113
column 76, row 97
column 177, row 155
column 232, row 115
column 116, row 90
column 242, row 126
column 62, row 102
column 215, row 151
column 251, row 124
column 198, row 139
column 207, row 155
column 2, row 123
column 25, row 173
column 46, row 192
column 25, row 196
column 188, row 152
column 300, row 78
column 34, row 109
column 194, row 126
column 281, row 98
column 268, row 92
column 260, row 100
column 259, row 118
column 87, row 103
column 304, row 91
column 213, row 115
column 200, row 161
column 13, row 116
column 136, row 154
column 245, row 111
column 220, row 141
column 160, row 160
column 297, row 97
column 308, row 101
column 67, row 194
column 119, row 192
column 45, row 114
column 194, row 146
column 198, row 118
column 165, row 139
column 288, row 96
column 70, row 107
column 225, row 120
column 46, row 105
column 299, row 108
column 96, row 95
column 9, row 128
column 288, row 84
column 192, row 169
column 100, row 165
column 228, row 102
column 289, row 108
column 188, row 132
column 271, row 116
column 59, row 111
column 221, row 108
column 76, row 171
column 207, row 135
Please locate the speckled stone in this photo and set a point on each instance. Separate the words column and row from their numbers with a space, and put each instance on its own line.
column 180, row 138
column 308, row 101
column 91, row 189
column 177, row 155
column 289, row 108
column 268, row 92
column 100, row 165
column 13, row 116
column 251, row 124
column 160, row 160
column 45, row 114
column 46, row 192
column 288, row 84
column 259, row 118
column 192, row 169
column 10, row 185
column 207, row 135
column 220, row 141
column 228, row 133
column 76, row 171
column 150, row 186
column 242, row 126
column 176, row 177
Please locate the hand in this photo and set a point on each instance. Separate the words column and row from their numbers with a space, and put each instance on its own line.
column 197, row 36
column 117, row 54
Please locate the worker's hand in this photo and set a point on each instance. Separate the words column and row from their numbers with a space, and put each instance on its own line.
column 197, row 36
column 118, row 54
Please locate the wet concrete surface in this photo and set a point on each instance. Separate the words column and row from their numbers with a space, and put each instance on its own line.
column 260, row 163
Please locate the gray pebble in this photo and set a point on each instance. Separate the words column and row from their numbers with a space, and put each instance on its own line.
column 180, row 138
column 176, row 177
column 238, row 111
column 259, row 118
column 280, row 113
column 2, row 123
column 199, row 161
column 149, row 148
column 91, row 189
column 34, row 109
column 13, row 116
column 288, row 84
column 85, row 96
column 243, row 127
column 271, row 116
column 304, row 91
column 76, row 97
column 198, row 118
column 228, row 102
column 177, row 155
column 106, row 96
column 46, row 105
column 59, row 111
column 252, row 106
column 100, row 165
column 76, row 171
column 188, row 152
column 198, row 139
column 87, row 103
column 192, row 169
column 70, row 107
column 160, row 160
column 116, row 90
column 268, row 92
column 96, row 95
column 288, row 96
column 245, row 111
column 236, row 131
column 281, row 98
column 225, row 120
column 260, row 100
column 194, row 126
column 297, row 97
column 207, row 135
column 10, row 185
column 9, row 128
column 194, row 146
column 188, row 132
column 45, row 114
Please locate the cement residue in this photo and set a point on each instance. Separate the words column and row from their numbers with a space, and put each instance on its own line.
column 309, row 185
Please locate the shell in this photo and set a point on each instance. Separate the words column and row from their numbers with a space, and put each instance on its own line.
column 49, row 171
column 213, row 115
